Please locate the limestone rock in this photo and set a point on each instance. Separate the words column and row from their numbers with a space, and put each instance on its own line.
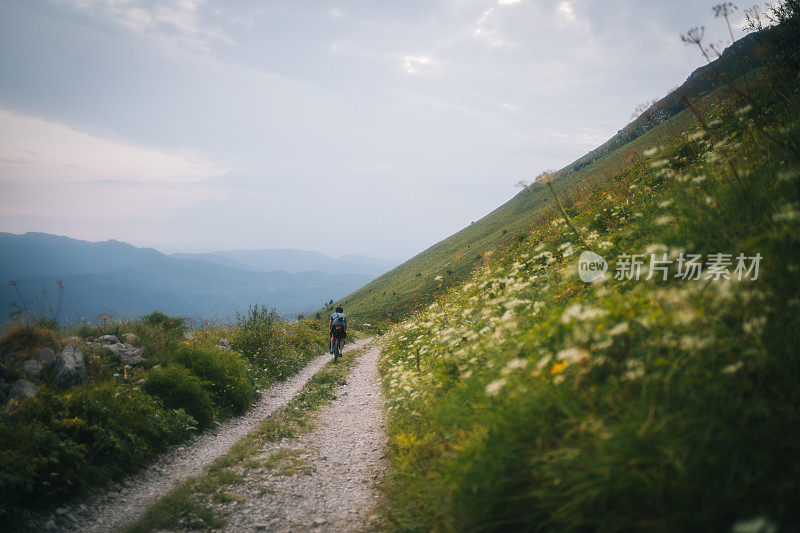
column 33, row 367
column 22, row 389
column 125, row 353
column 47, row 356
column 130, row 338
column 70, row 368
column 108, row 339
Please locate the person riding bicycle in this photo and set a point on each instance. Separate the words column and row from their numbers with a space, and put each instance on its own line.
column 338, row 326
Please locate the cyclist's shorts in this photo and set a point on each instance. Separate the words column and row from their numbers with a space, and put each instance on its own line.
column 338, row 331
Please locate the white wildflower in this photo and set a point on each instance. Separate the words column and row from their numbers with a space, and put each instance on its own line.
column 758, row 524
column 543, row 362
column 755, row 325
column 696, row 135
column 788, row 213
column 619, row 329
column 650, row 151
column 664, row 220
column 493, row 388
column 655, row 248
column 578, row 312
column 733, row 368
column 635, row 370
column 572, row 355
column 514, row 364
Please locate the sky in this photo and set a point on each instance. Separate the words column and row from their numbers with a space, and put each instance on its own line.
column 375, row 127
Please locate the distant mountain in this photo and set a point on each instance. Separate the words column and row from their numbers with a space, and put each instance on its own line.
column 125, row 281
column 295, row 261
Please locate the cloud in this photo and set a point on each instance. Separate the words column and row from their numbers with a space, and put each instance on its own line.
column 489, row 26
column 173, row 26
column 566, row 10
column 415, row 64
column 50, row 170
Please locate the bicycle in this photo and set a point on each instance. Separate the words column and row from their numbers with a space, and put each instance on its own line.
column 337, row 351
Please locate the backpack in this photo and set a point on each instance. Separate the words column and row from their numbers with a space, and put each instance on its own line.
column 338, row 319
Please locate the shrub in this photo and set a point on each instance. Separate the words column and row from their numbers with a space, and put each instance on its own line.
column 54, row 444
column 168, row 323
column 275, row 348
column 177, row 388
column 226, row 376
column 26, row 337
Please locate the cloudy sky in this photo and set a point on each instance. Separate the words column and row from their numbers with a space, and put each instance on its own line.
column 355, row 126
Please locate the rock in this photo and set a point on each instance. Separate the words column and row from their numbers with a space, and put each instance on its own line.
column 187, row 336
column 50, row 526
column 319, row 522
column 22, row 389
column 47, row 356
column 61, row 511
column 125, row 353
column 130, row 338
column 70, row 368
column 223, row 344
column 108, row 339
column 33, row 367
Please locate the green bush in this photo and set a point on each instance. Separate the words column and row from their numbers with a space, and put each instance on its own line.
column 168, row 323
column 275, row 348
column 226, row 375
column 55, row 444
column 177, row 388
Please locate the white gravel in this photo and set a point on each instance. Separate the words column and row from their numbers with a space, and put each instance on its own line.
column 124, row 502
column 331, row 479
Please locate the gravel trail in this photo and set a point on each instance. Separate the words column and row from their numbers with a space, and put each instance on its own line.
column 122, row 503
column 325, row 480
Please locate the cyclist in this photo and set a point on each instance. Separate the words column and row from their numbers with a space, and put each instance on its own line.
column 338, row 327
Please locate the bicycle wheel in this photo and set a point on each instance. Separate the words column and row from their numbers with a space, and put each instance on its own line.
column 336, row 350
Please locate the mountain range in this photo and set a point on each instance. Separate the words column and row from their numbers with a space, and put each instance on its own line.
column 122, row 280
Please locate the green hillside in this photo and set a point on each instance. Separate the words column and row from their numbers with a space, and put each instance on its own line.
column 662, row 397
column 414, row 284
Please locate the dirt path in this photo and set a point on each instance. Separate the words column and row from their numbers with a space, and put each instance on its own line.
column 120, row 504
column 326, row 480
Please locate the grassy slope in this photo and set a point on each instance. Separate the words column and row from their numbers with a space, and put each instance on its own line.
column 413, row 284
column 530, row 400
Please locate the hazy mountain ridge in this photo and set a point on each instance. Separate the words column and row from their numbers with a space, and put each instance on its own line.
column 125, row 281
